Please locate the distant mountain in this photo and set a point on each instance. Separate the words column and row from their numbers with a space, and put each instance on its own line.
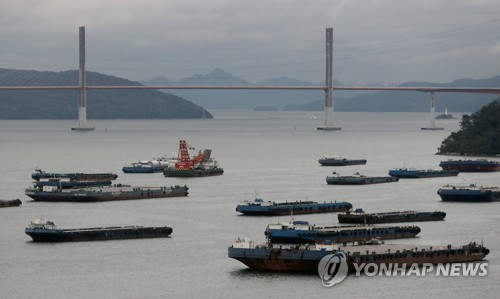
column 101, row 104
column 411, row 101
column 314, row 100
column 238, row 99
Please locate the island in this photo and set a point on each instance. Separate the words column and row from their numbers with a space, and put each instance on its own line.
column 479, row 134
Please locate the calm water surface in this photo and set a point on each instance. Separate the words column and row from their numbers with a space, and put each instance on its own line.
column 272, row 153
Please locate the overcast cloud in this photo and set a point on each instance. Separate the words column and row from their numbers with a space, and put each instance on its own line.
column 374, row 41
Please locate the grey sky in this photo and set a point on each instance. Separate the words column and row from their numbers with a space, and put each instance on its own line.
column 374, row 41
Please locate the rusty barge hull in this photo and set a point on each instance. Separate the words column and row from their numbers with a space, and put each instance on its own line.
column 299, row 260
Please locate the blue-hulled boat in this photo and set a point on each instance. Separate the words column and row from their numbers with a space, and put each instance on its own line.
column 258, row 207
column 471, row 193
column 303, row 232
column 411, row 173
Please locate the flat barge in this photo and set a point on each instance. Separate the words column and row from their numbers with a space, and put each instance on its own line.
column 339, row 161
column 65, row 183
column 192, row 172
column 40, row 174
column 5, row 203
column 46, row 231
column 306, row 257
column 478, row 165
column 109, row 193
column 358, row 179
column 360, row 217
column 303, row 232
column 258, row 207
column 409, row 173
column 470, row 193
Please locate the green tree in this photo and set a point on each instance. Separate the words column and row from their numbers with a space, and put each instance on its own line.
column 479, row 133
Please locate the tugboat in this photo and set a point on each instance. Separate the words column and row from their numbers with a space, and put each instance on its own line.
column 303, row 232
column 306, row 257
column 478, row 165
column 360, row 217
column 339, row 161
column 10, row 203
column 104, row 193
column 470, row 193
column 358, row 179
column 270, row 208
column 42, row 230
column 411, row 173
column 200, row 165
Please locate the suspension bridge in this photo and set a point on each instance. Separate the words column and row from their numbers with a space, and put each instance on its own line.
column 328, row 89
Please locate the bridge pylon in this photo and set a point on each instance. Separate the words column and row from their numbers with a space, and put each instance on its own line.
column 432, row 121
column 82, row 103
column 329, row 84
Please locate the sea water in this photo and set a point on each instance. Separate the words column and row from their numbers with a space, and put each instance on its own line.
column 271, row 154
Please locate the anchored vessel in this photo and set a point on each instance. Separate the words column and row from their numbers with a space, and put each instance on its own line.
column 66, row 182
column 115, row 192
column 479, row 165
column 358, row 179
column 40, row 174
column 155, row 165
column 10, row 203
column 359, row 217
column 339, row 161
column 197, row 166
column 46, row 231
column 303, row 232
column 409, row 173
column 270, row 208
column 470, row 193
column 305, row 258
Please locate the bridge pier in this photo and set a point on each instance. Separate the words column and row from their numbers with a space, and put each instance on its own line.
column 329, row 84
column 82, row 103
column 432, row 122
